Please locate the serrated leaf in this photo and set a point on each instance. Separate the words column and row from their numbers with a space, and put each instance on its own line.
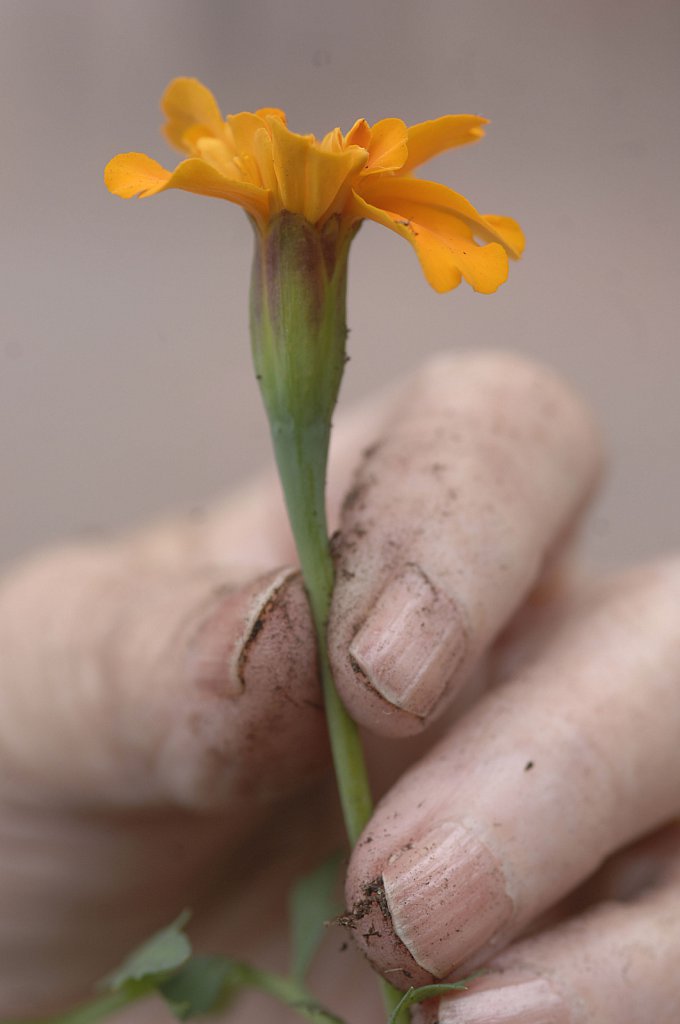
column 419, row 995
column 313, row 901
column 164, row 952
column 204, row 984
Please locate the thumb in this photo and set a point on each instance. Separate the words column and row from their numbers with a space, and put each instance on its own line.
column 126, row 683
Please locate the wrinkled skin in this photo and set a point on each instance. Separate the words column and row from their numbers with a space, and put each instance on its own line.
column 162, row 741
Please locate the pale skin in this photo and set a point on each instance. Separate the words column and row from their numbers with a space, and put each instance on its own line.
column 162, row 743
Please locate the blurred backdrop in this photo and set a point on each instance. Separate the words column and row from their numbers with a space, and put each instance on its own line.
column 125, row 379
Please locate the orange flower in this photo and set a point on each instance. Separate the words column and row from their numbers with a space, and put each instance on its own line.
column 254, row 160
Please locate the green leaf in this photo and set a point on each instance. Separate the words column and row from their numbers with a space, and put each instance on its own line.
column 419, row 995
column 164, row 952
column 313, row 902
column 204, row 984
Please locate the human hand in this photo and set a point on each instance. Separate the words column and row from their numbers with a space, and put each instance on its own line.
column 161, row 710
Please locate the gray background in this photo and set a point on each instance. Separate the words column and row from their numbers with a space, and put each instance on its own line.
column 125, row 380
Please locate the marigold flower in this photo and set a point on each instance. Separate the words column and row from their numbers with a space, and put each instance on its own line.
column 254, row 160
column 306, row 199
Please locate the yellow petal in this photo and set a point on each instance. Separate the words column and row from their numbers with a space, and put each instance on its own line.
column 311, row 181
column 429, row 138
column 434, row 204
column 271, row 112
column 387, row 148
column 508, row 229
column 333, row 141
column 446, row 249
column 188, row 105
column 359, row 134
column 242, row 131
column 263, row 158
column 195, row 175
column 216, row 153
column 131, row 174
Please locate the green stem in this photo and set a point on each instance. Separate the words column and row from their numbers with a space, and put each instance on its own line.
column 289, row 992
column 298, row 334
column 301, row 454
column 96, row 1010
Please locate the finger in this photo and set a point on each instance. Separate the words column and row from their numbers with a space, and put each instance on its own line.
column 248, row 532
column 129, row 685
column 616, row 964
column 95, row 642
column 575, row 757
column 475, row 479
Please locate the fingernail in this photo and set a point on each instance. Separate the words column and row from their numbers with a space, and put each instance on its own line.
column 219, row 647
column 411, row 643
column 512, row 998
column 447, row 897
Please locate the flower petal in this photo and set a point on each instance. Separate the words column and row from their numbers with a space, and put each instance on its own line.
column 387, row 147
column 429, row 138
column 242, row 132
column 359, row 134
column 509, row 229
column 216, row 153
column 445, row 247
column 195, row 175
column 262, row 155
column 188, row 104
column 333, row 141
column 131, row 174
column 428, row 202
column 311, row 181
column 271, row 112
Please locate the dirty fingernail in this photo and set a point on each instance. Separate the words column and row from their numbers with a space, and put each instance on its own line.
column 447, row 897
column 519, row 998
column 411, row 643
column 220, row 645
